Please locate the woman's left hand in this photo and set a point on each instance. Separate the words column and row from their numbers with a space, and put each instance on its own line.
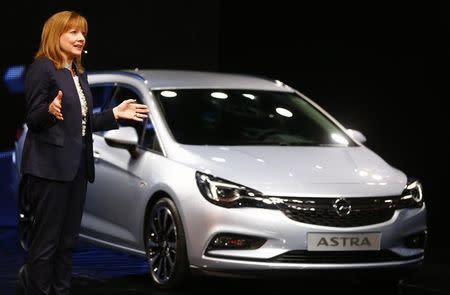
column 131, row 110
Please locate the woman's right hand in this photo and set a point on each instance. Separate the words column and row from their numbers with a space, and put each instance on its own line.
column 55, row 107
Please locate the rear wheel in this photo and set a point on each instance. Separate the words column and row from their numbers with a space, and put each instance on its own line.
column 165, row 245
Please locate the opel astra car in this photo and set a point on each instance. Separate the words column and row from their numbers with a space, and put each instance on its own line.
column 243, row 174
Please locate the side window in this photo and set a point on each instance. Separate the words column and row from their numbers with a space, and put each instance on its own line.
column 151, row 141
column 101, row 95
column 107, row 96
column 120, row 94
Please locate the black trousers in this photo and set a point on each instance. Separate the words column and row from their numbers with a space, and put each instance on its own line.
column 58, row 210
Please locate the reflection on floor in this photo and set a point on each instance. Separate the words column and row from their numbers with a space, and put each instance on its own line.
column 103, row 271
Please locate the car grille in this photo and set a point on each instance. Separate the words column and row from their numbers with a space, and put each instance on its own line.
column 320, row 211
column 303, row 256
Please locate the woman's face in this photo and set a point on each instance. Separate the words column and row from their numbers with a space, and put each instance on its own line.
column 72, row 43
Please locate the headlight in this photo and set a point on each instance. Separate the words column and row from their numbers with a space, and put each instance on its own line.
column 228, row 194
column 412, row 196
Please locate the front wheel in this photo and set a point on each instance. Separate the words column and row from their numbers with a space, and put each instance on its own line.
column 165, row 245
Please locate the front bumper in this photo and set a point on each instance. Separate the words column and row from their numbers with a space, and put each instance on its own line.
column 285, row 236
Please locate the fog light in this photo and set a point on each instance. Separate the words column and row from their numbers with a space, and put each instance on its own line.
column 417, row 240
column 235, row 242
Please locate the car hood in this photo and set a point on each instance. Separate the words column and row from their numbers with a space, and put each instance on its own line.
column 298, row 171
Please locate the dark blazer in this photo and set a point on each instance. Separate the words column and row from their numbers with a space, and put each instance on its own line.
column 52, row 148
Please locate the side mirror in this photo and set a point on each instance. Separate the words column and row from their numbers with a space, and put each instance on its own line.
column 124, row 137
column 356, row 135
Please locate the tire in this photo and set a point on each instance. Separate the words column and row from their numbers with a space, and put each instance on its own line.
column 165, row 245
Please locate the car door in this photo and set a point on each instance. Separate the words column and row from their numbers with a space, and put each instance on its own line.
column 112, row 198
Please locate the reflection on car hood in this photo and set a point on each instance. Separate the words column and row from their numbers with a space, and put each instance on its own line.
column 298, row 171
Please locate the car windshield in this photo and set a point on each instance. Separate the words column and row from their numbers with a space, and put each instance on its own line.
column 246, row 117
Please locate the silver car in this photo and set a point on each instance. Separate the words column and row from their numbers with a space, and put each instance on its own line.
column 242, row 174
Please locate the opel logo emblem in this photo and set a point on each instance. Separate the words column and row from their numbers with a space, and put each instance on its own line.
column 342, row 207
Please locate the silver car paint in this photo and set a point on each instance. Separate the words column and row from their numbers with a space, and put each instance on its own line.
column 117, row 201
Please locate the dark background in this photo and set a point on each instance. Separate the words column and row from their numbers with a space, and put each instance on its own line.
column 378, row 67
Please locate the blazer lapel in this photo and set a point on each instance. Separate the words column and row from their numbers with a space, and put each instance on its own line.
column 65, row 80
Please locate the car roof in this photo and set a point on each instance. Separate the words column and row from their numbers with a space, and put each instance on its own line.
column 179, row 79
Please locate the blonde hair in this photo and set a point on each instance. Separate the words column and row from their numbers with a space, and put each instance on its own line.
column 54, row 27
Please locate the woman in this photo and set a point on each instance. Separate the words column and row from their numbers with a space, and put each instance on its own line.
column 57, row 157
